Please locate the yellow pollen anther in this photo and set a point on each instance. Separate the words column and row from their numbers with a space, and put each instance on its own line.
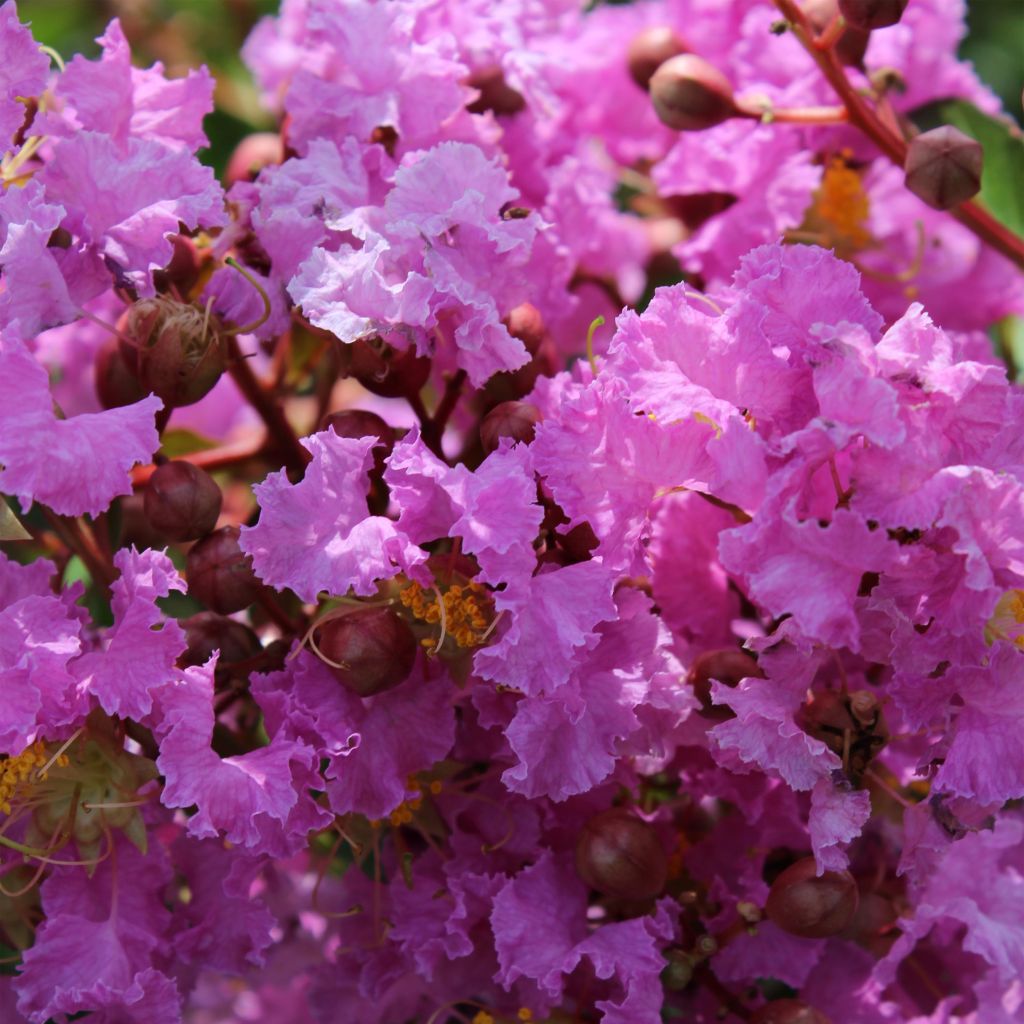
column 483, row 1017
column 525, row 1014
column 465, row 611
column 30, row 764
column 842, row 204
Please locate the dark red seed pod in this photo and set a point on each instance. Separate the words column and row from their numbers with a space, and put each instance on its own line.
column 814, row 907
column 788, row 1011
column 207, row 632
column 649, row 50
column 496, row 94
column 220, row 573
column 173, row 347
column 116, row 381
column 515, row 420
column 384, row 370
column 689, row 94
column 369, row 650
column 726, row 665
column 182, row 501
column 620, row 855
column 943, row 167
column 872, row 14
column 252, row 154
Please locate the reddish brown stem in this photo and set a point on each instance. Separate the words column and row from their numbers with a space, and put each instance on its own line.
column 280, row 430
column 970, row 214
column 452, row 392
column 78, row 542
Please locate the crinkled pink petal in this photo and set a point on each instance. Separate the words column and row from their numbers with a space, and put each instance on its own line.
column 112, row 97
column 551, row 617
column 767, row 953
column 142, row 646
column 74, row 466
column 764, row 734
column 18, row 581
column 126, row 201
column 24, row 72
column 837, row 818
column 317, row 535
column 258, row 800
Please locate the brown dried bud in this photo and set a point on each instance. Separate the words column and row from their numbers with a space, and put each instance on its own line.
column 182, row 501
column 219, row 573
column 208, row 632
column 496, row 94
column 788, row 1011
column 726, row 665
column 620, row 855
column 811, row 906
column 384, row 370
column 516, row 420
column 872, row 14
column 369, row 650
column 649, row 50
column 943, row 167
column 689, row 94
column 116, row 382
column 252, row 154
column 173, row 347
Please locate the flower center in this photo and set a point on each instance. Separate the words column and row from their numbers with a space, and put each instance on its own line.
column 840, row 207
column 1007, row 621
column 28, row 766
column 465, row 612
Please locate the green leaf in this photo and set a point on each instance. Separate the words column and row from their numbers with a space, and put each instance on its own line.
column 181, row 441
column 1002, row 175
column 10, row 527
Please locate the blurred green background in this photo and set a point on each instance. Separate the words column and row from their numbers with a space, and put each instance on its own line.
column 185, row 33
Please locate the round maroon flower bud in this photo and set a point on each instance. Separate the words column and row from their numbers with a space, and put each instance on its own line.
column 174, row 348
column 384, row 370
column 649, row 50
column 689, row 94
column 526, row 324
column 182, row 501
column 788, row 1011
column 516, row 420
column 207, row 632
column 495, row 93
column 811, row 906
column 726, row 665
column 252, row 154
column 219, row 573
column 370, row 650
column 943, row 167
column 851, row 45
column 872, row 14
column 620, row 855
column 116, row 382
column 358, row 423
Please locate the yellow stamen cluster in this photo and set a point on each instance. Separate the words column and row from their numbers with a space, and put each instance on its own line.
column 28, row 765
column 1007, row 621
column 842, row 204
column 468, row 611
column 483, row 1017
column 402, row 814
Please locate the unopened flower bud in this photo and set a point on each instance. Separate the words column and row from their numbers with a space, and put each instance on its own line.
column 496, row 94
column 252, row 154
column 727, row 665
column 689, row 94
column 851, row 45
column 872, row 14
column 788, row 1011
column 814, row 907
column 526, row 324
column 384, row 370
column 370, row 650
column 182, row 501
column 116, row 382
column 649, row 50
column 943, row 167
column 207, row 632
column 174, row 348
column 220, row 573
column 678, row 972
column 620, row 855
column 515, row 420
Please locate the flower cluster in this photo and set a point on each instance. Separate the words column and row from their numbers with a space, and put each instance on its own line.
column 380, row 643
